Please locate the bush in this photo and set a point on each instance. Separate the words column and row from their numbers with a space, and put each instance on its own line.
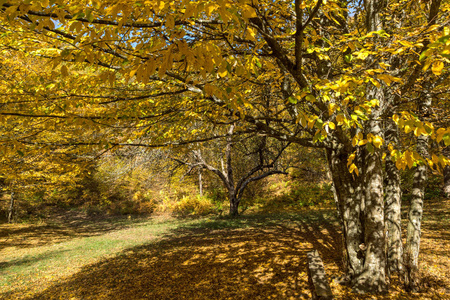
column 194, row 205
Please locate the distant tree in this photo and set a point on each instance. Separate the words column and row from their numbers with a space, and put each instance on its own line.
column 244, row 160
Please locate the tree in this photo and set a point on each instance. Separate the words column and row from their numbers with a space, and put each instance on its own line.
column 261, row 161
column 447, row 181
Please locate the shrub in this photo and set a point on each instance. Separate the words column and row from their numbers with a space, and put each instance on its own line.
column 194, row 205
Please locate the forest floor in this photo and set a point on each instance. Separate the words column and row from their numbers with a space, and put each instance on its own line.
column 256, row 256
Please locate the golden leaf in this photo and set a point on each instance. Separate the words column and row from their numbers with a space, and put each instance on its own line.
column 437, row 68
column 377, row 141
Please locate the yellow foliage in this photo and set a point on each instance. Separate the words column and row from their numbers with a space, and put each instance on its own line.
column 193, row 205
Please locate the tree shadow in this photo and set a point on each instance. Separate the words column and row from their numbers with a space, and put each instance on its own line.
column 60, row 228
column 252, row 257
column 30, row 260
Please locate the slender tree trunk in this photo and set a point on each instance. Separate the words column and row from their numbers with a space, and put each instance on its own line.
column 11, row 208
column 415, row 220
column 229, row 175
column 416, row 207
column 393, row 195
column 447, row 182
column 200, row 182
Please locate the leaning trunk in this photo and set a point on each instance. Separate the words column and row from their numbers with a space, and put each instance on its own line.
column 234, row 203
column 392, row 197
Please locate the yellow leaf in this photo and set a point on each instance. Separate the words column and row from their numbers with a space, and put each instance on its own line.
column 446, row 50
column 375, row 82
column 162, row 4
column 332, row 108
column 395, row 118
column 209, row 89
column 435, row 159
column 427, row 65
column 377, row 141
column 399, row 164
column 437, row 68
column 408, row 129
column 302, row 119
column 362, row 142
column 248, row 12
column 350, row 159
column 332, row 126
column 440, row 134
column 223, row 73
column 132, row 73
column 251, row 33
column 353, row 168
column 409, row 159
column 385, row 78
column 310, row 98
column 10, row 10
column 419, row 131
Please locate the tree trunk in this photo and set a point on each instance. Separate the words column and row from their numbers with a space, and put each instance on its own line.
column 11, row 209
column 414, row 221
column 392, row 197
column 416, row 207
column 349, row 207
column 229, row 175
column 200, row 182
column 447, row 182
column 234, row 204
column 373, row 277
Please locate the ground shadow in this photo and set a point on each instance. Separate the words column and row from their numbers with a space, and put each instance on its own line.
column 253, row 257
column 59, row 228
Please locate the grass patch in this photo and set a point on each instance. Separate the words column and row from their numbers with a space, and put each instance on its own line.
column 32, row 268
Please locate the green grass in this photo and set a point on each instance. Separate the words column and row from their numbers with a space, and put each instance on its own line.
column 31, row 267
